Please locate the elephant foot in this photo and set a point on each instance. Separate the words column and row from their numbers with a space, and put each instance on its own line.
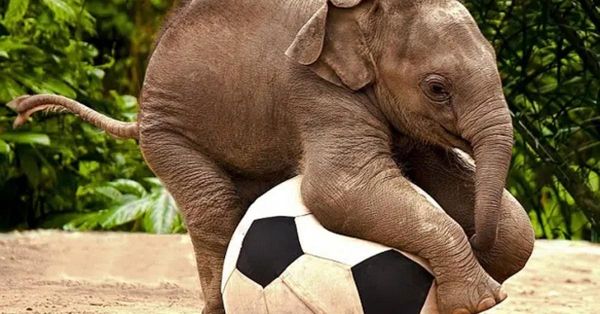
column 213, row 309
column 474, row 294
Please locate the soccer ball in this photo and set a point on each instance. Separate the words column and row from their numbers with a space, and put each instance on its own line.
column 281, row 260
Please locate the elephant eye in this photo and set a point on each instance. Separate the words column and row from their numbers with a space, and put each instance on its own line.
column 436, row 88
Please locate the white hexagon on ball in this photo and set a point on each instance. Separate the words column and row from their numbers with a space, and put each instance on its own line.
column 281, row 260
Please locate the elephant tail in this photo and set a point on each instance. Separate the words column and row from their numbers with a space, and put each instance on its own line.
column 26, row 105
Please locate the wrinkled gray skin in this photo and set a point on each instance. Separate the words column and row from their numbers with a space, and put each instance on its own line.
column 226, row 115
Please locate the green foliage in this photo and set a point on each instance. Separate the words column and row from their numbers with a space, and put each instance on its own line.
column 123, row 205
column 57, row 167
column 549, row 57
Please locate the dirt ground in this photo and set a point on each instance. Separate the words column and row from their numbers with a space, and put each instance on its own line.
column 56, row 272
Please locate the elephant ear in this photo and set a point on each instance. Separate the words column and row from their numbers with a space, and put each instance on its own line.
column 332, row 44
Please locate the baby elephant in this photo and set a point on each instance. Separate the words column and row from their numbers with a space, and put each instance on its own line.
column 242, row 95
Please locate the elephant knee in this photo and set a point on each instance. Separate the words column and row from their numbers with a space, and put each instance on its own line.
column 328, row 202
column 514, row 243
column 517, row 227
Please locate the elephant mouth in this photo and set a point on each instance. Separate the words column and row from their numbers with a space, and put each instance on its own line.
column 454, row 141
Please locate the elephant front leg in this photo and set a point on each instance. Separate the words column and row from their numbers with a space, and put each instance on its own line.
column 208, row 200
column 449, row 178
column 353, row 187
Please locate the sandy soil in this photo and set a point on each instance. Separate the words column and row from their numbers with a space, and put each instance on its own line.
column 55, row 272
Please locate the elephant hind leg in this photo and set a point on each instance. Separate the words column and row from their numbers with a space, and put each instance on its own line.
column 450, row 180
column 208, row 200
column 515, row 241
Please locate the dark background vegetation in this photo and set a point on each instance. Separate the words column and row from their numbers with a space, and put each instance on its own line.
column 60, row 173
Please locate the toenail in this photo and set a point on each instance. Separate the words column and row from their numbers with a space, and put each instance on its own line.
column 461, row 311
column 501, row 296
column 485, row 304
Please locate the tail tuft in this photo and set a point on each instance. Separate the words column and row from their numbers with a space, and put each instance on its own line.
column 14, row 104
column 24, row 112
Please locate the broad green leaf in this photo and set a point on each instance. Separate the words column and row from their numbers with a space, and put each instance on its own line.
column 62, row 10
column 124, row 102
column 108, row 192
column 123, row 214
column 16, row 11
column 56, row 86
column 163, row 215
column 9, row 45
column 30, row 81
column 26, row 138
column 154, row 182
column 85, row 221
column 88, row 167
column 9, row 89
column 548, row 84
column 4, row 147
column 129, row 187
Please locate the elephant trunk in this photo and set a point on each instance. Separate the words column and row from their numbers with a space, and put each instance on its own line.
column 491, row 137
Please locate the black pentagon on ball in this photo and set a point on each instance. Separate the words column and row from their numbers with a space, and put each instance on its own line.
column 269, row 247
column 390, row 282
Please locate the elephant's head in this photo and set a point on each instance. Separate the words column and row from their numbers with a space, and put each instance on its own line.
column 428, row 68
